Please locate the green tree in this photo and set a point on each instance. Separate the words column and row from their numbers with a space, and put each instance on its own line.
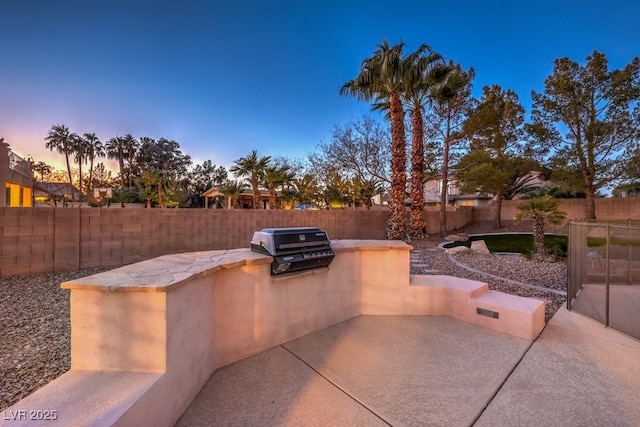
column 62, row 140
column 424, row 70
column 541, row 210
column 494, row 127
column 276, row 175
column 444, row 123
column 232, row 190
column 205, row 176
column 80, row 147
column 253, row 167
column 130, row 147
column 93, row 149
column 115, row 149
column 589, row 116
column 381, row 79
column 164, row 166
column 307, row 189
column 43, row 169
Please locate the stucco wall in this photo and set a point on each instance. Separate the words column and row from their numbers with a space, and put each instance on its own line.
column 146, row 337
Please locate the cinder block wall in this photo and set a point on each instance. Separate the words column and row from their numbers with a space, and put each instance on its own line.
column 42, row 240
column 616, row 209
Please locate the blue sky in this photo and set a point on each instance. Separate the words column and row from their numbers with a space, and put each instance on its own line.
column 223, row 79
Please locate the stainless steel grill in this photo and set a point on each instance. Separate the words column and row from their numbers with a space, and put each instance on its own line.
column 293, row 249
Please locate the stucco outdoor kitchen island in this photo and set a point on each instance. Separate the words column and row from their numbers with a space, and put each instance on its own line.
column 146, row 337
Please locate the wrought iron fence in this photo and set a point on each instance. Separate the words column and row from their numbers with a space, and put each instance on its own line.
column 604, row 274
column 18, row 164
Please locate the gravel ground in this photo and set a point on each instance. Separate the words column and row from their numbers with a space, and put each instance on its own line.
column 34, row 311
column 34, row 332
column 538, row 275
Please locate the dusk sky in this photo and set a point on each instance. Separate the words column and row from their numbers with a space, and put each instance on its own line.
column 224, row 78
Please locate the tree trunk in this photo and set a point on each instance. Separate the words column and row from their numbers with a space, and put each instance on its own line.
column 272, row 195
column 497, row 223
column 90, row 184
column 590, row 203
column 398, row 219
column 257, row 200
column 444, row 194
column 418, row 226
column 121, row 164
column 538, row 234
column 68, row 169
column 161, row 196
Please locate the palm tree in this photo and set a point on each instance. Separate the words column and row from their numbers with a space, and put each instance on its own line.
column 423, row 70
column 80, row 156
column 232, row 191
column 43, row 169
column 61, row 139
column 254, row 167
column 116, row 150
column 130, row 148
column 380, row 79
column 94, row 148
column 541, row 210
column 274, row 176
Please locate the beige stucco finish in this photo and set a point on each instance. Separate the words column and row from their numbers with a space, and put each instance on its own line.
column 180, row 317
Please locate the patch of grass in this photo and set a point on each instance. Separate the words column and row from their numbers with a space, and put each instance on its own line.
column 518, row 243
column 593, row 242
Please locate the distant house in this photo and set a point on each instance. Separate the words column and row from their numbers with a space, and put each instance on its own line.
column 16, row 175
column 53, row 192
column 433, row 191
column 215, row 199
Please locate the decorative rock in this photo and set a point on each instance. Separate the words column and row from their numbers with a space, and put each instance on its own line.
column 457, row 249
column 480, row 247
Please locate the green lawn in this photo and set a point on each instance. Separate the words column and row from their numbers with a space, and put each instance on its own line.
column 601, row 241
column 518, row 243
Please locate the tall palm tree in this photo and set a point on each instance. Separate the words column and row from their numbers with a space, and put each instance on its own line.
column 61, row 139
column 380, row 79
column 232, row 191
column 94, row 149
column 130, row 148
column 116, row 150
column 80, row 157
column 253, row 167
column 423, row 71
column 541, row 210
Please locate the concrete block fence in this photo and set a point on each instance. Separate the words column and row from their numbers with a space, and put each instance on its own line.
column 46, row 239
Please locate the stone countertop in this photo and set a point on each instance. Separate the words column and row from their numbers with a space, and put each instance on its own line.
column 167, row 271
column 161, row 273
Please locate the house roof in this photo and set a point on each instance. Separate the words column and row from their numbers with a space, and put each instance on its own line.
column 59, row 189
column 247, row 192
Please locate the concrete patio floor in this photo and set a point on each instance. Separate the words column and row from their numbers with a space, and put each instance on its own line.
column 431, row 371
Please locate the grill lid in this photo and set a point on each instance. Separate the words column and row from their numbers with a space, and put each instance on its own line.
column 293, row 249
column 276, row 241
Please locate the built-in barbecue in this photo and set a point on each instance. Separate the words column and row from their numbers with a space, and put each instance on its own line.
column 293, row 249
